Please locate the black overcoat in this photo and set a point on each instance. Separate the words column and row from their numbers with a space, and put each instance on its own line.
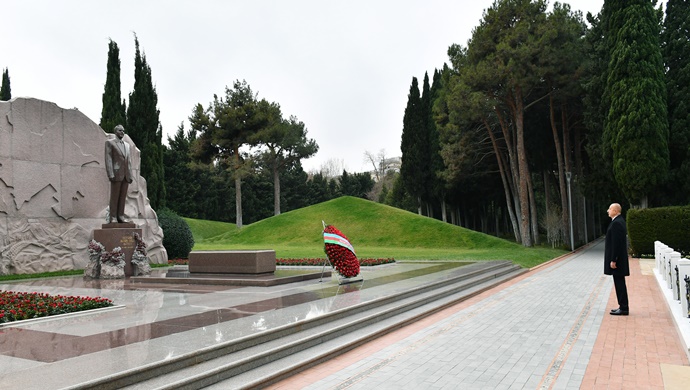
column 616, row 248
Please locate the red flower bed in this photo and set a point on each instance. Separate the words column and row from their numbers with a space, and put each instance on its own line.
column 15, row 306
column 319, row 262
column 178, row 261
column 305, row 261
column 373, row 262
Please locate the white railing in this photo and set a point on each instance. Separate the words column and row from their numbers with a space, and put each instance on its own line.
column 675, row 272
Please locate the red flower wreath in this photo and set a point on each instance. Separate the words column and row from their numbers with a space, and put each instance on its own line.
column 340, row 252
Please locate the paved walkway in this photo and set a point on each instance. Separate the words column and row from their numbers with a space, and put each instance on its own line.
column 549, row 329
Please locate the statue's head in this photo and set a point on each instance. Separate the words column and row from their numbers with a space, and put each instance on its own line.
column 119, row 131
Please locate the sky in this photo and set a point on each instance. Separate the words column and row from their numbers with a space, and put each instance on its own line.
column 344, row 68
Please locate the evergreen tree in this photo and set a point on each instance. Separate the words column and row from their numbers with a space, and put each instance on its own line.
column 296, row 194
column 143, row 127
column 286, row 143
column 437, row 185
column 413, row 157
column 113, row 111
column 637, row 122
column 357, row 184
column 399, row 197
column 256, row 189
column 426, row 133
column 5, row 90
column 233, row 121
column 598, row 184
column 317, row 189
column 498, row 75
column 676, row 51
column 182, row 192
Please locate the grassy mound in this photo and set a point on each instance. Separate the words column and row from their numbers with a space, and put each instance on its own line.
column 375, row 230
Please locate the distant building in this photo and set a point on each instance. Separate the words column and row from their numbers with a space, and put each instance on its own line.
column 388, row 165
column 391, row 164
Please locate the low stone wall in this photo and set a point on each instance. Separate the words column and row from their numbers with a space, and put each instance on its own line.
column 675, row 271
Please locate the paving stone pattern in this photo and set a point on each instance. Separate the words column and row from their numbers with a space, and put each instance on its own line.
column 537, row 333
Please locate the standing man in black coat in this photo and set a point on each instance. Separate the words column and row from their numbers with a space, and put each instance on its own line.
column 616, row 257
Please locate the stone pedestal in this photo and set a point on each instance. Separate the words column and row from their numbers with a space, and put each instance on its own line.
column 658, row 248
column 666, row 259
column 676, row 278
column 684, row 270
column 119, row 234
column 233, row 262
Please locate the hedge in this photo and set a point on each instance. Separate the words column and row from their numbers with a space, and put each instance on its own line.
column 177, row 236
column 670, row 225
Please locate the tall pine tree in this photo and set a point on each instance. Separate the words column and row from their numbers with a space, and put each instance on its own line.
column 113, row 111
column 5, row 90
column 232, row 123
column 144, row 128
column 637, row 122
column 676, row 51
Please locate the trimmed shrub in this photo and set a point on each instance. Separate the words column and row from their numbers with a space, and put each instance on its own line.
column 670, row 225
column 177, row 236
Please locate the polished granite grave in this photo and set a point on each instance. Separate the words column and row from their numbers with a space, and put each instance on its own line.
column 181, row 274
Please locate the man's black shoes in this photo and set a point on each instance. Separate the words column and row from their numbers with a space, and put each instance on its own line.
column 619, row 312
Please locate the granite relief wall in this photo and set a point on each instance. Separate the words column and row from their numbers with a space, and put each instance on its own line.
column 54, row 189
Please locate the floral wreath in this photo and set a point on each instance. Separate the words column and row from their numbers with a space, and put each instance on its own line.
column 97, row 252
column 340, row 252
column 139, row 255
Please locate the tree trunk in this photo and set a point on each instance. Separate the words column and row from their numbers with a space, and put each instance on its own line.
column 523, row 170
column 561, row 172
column 276, row 191
column 504, row 179
column 547, row 202
column 577, row 156
column 238, row 201
column 443, row 210
column 533, row 211
column 568, row 166
column 238, row 190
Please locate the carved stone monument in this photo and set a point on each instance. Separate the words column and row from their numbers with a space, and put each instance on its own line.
column 54, row 189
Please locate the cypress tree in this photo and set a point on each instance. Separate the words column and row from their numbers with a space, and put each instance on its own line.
column 181, row 191
column 5, row 90
column 676, row 51
column 412, row 155
column 436, row 165
column 426, row 132
column 144, row 128
column 113, row 111
column 598, row 183
column 637, row 123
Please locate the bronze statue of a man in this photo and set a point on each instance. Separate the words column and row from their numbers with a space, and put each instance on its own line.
column 118, row 165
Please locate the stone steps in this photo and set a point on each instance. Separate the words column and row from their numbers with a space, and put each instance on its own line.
column 270, row 356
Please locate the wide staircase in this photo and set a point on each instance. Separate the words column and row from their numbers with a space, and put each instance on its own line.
column 264, row 358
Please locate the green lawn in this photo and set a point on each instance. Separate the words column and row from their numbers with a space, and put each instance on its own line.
column 375, row 230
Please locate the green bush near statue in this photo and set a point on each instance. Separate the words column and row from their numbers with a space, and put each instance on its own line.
column 177, row 236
